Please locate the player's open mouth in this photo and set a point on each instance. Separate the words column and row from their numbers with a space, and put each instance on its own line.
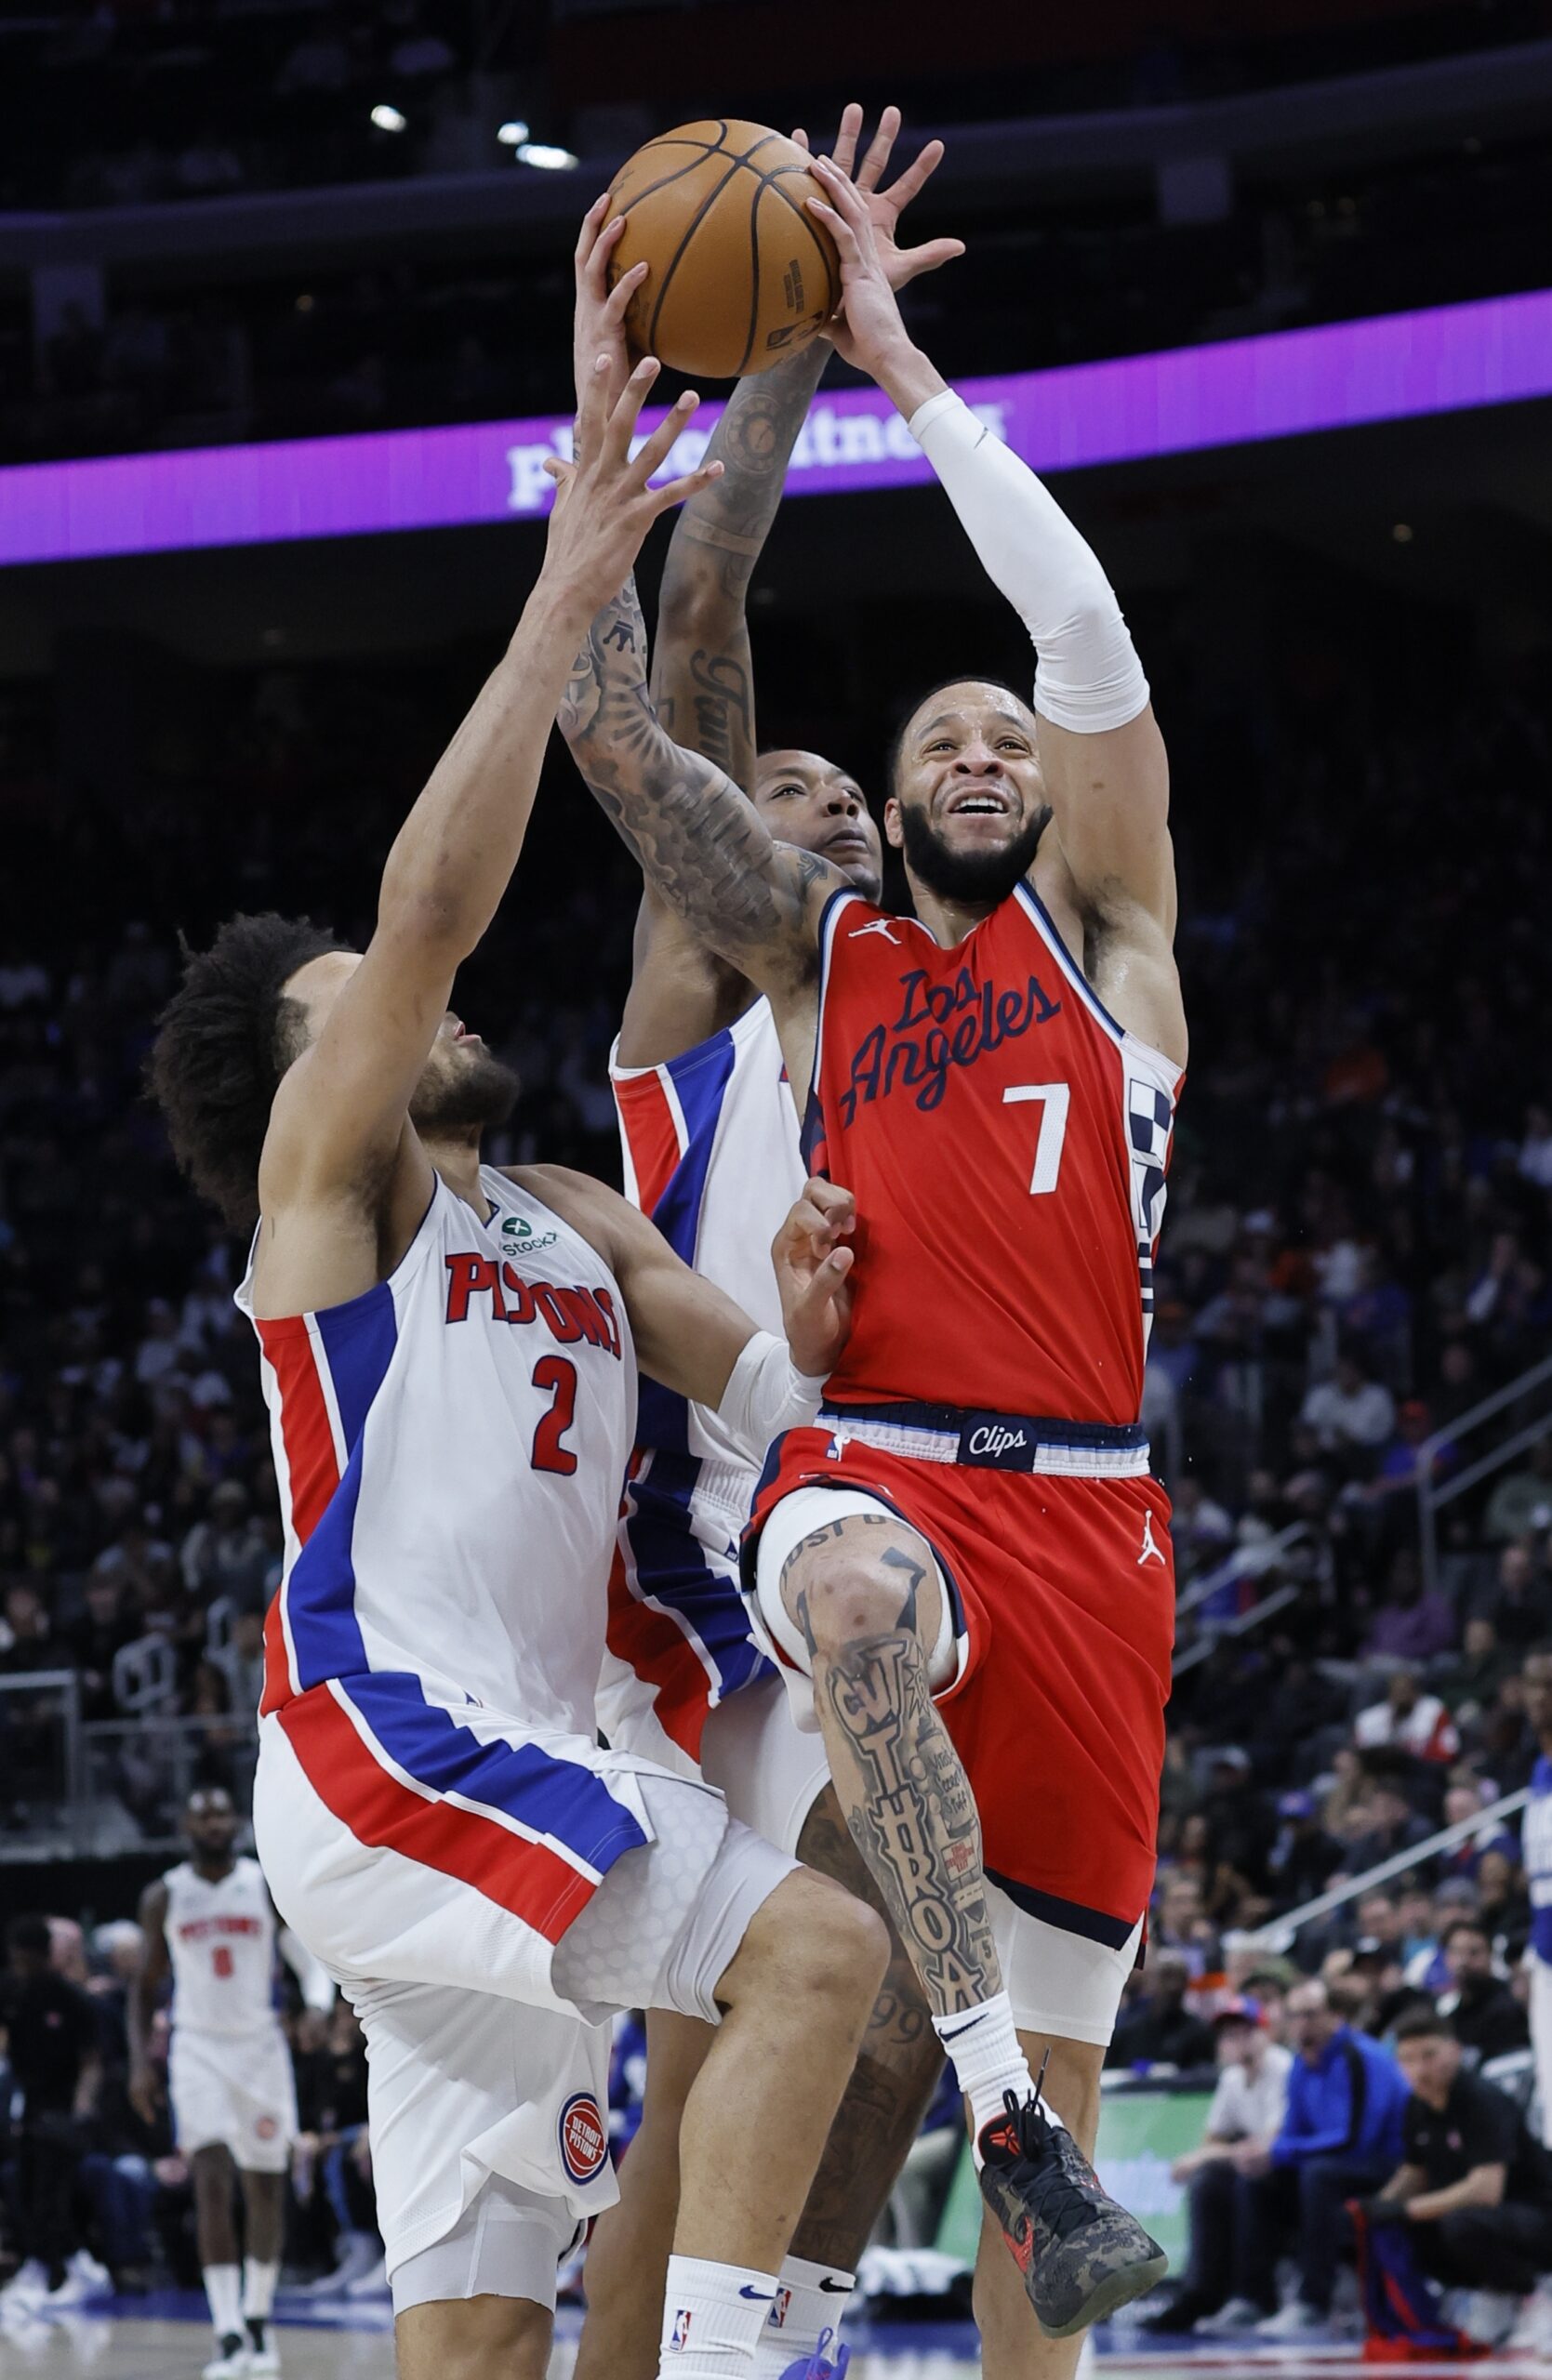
column 979, row 805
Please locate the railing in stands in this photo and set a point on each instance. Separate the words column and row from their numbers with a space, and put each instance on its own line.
column 1245, row 1562
column 1281, row 1933
column 1433, row 1492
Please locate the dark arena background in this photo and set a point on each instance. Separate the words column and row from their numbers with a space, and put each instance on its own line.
column 1266, row 293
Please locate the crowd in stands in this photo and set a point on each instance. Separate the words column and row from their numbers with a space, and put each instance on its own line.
column 118, row 106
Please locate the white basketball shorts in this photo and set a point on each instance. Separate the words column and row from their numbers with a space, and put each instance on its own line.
column 487, row 2040
column 235, row 2091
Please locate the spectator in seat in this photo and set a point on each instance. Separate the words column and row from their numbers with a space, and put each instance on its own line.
column 1475, row 2186
column 1340, row 2138
column 1304, row 1857
column 1521, row 1503
column 1410, row 1625
column 1470, row 1684
column 1391, row 1825
column 1483, row 2013
column 1246, row 2112
column 26, row 1640
column 1160, row 2029
column 1520, row 1601
column 1418, row 1723
column 1350, row 1416
column 50, row 2036
column 104, row 1628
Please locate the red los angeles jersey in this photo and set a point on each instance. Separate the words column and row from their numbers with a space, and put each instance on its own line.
column 1008, row 1145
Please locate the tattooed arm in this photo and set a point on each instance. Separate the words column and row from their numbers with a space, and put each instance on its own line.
column 701, row 844
column 703, row 686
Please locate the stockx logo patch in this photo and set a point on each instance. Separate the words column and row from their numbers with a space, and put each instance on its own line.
column 520, row 1238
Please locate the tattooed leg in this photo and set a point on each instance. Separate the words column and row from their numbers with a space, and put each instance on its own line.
column 864, row 1592
column 896, row 2071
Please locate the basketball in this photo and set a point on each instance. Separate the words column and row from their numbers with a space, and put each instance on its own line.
column 740, row 273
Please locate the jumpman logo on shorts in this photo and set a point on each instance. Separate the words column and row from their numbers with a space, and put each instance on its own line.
column 1150, row 1552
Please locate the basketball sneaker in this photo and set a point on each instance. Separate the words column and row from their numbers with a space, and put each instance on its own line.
column 815, row 2367
column 263, row 2354
column 230, row 2360
column 1082, row 2255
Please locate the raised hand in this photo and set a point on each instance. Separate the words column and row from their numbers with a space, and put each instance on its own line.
column 598, row 322
column 603, row 507
column 812, row 1265
column 869, row 326
column 886, row 206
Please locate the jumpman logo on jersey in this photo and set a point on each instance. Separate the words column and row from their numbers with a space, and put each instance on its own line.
column 875, row 925
column 1150, row 1552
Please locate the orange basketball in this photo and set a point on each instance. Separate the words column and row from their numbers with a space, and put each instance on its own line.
column 741, row 274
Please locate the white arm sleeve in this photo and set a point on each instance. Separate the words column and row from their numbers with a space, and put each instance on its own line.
column 1089, row 677
column 765, row 1394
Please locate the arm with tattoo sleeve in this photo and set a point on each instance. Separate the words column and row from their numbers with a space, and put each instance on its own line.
column 703, row 687
column 700, row 843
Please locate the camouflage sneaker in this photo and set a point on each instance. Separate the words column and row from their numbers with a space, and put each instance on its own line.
column 1082, row 2255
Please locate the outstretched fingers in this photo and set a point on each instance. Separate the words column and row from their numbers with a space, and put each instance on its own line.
column 654, row 450
column 663, row 499
column 872, row 167
column 848, row 133
column 912, row 180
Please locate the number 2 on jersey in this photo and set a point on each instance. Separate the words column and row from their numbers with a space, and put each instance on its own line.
column 557, row 1374
column 1053, row 1099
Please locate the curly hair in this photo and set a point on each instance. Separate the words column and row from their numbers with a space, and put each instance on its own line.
column 223, row 1043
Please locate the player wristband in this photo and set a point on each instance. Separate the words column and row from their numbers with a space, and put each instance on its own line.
column 765, row 1394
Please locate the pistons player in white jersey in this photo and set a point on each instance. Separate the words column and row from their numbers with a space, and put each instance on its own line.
column 709, row 1140
column 449, row 1355
column 210, row 1925
column 964, row 1569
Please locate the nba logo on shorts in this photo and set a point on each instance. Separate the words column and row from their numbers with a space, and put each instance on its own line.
column 584, row 2137
column 679, row 2337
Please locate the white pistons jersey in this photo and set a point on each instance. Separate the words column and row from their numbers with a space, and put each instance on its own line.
column 222, row 1941
column 449, row 1448
column 711, row 1151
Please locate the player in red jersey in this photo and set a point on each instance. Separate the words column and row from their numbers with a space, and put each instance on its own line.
column 969, row 1558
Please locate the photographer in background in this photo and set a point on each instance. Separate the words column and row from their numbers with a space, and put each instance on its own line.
column 1475, row 2186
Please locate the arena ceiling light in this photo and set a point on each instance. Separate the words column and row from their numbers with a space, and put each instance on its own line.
column 512, row 136
column 388, row 119
column 537, row 152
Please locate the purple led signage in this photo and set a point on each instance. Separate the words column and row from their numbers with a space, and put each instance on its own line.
column 1440, row 361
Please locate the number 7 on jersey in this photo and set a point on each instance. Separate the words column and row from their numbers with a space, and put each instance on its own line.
column 1053, row 1099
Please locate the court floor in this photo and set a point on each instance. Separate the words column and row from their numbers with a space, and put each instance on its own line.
column 167, row 2338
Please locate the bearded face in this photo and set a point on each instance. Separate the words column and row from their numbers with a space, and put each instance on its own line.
column 969, row 806
column 463, row 1089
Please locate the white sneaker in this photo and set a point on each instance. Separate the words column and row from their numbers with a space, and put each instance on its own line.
column 27, row 2285
column 372, row 2283
column 1240, row 2314
column 85, row 2267
column 1296, row 2320
column 230, row 2360
column 265, row 2358
column 361, row 2254
column 74, row 2290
